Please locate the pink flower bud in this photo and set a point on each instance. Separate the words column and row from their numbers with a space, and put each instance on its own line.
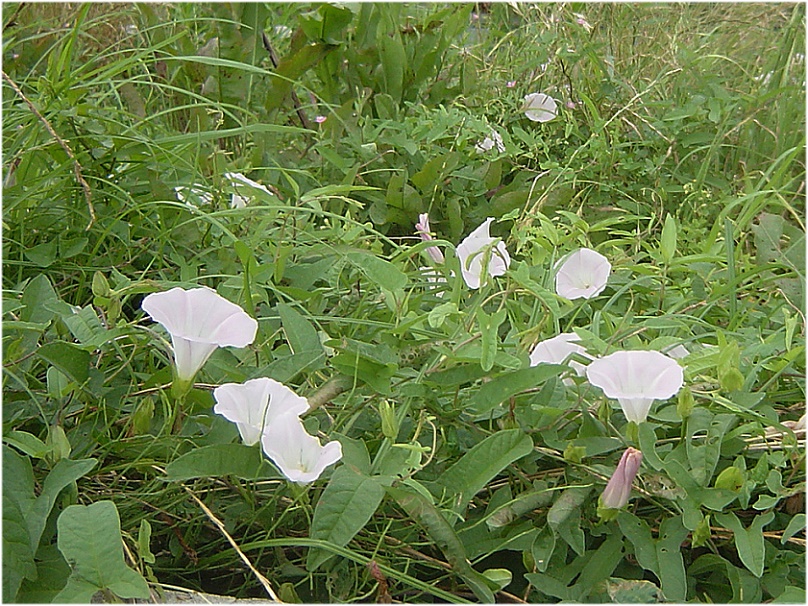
column 511, row 84
column 422, row 229
column 319, row 119
column 618, row 490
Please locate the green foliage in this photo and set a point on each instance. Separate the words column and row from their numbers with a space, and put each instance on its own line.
column 90, row 540
column 678, row 153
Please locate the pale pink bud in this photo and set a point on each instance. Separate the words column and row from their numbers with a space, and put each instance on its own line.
column 618, row 490
column 422, row 229
column 319, row 119
column 511, row 84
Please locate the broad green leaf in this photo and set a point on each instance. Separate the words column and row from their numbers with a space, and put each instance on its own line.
column 489, row 326
column 637, row 531
column 622, row 591
column 378, row 271
column 290, row 69
column 667, row 242
column 300, row 333
column 86, row 326
column 533, row 498
column 502, row 387
column 354, row 453
column 27, row 443
column 748, row 541
column 394, row 62
column 483, row 463
column 345, row 506
column 439, row 530
column 68, row 358
column 567, row 504
column 219, row 460
column 601, row 565
column 18, row 556
column 542, row 548
column 63, row 474
column 704, row 438
column 648, row 446
column 669, row 555
column 796, row 524
column 36, row 295
column 326, row 24
column 89, row 538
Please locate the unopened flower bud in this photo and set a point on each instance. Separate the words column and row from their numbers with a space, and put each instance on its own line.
column 387, row 412
column 618, row 490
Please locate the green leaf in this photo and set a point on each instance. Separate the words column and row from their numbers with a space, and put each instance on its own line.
column 439, row 530
column 667, row 243
column 796, row 524
column 749, row 542
column 669, row 555
column 483, row 463
column 622, row 591
column 18, row 556
column 347, row 503
column 542, row 548
column 217, row 460
column 502, row 387
column 89, row 538
column 300, row 333
column 637, row 531
column 489, row 326
column 73, row 361
column 35, row 297
column 63, row 474
column 394, row 62
column 378, row 271
column 704, row 438
column 27, row 443
column 564, row 517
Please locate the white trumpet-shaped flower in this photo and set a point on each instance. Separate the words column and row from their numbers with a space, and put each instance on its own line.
column 557, row 351
column 635, row 379
column 255, row 404
column 489, row 143
column 199, row 320
column 243, row 186
column 298, row 455
column 540, row 107
column 583, row 273
column 472, row 252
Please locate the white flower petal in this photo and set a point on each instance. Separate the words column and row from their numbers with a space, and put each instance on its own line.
column 540, row 107
column 557, row 351
column 298, row 455
column 199, row 320
column 471, row 253
column 254, row 404
column 636, row 379
column 584, row 273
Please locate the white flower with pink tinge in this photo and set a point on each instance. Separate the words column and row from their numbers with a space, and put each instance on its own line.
column 635, row 379
column 472, row 252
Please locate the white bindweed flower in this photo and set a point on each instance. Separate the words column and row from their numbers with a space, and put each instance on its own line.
column 584, row 273
column 540, row 107
column 193, row 196
column 636, row 379
column 557, row 351
column 244, row 189
column 298, row 455
column 489, row 143
column 422, row 229
column 254, row 404
column 473, row 250
column 677, row 352
column 199, row 320
column 618, row 490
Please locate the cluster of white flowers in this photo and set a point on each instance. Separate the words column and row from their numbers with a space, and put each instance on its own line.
column 199, row 320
